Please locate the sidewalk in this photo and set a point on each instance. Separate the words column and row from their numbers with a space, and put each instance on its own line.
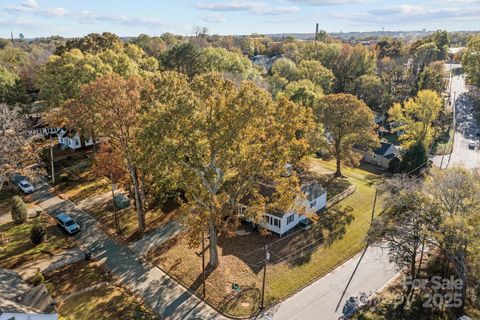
column 156, row 238
column 158, row 290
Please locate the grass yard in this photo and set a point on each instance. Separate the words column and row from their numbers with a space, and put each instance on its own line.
column 103, row 212
column 18, row 248
column 5, row 200
column 296, row 259
column 83, row 186
column 444, row 144
column 77, row 182
column 72, row 288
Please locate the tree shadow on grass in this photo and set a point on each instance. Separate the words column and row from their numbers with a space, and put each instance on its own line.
column 331, row 226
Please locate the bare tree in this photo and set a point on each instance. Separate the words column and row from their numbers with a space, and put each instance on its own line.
column 15, row 146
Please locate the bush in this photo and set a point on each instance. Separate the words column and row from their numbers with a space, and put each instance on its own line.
column 38, row 232
column 38, row 279
column 19, row 210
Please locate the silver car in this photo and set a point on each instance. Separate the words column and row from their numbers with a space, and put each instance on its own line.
column 67, row 223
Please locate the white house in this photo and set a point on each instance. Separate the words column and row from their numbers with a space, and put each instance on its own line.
column 282, row 222
column 72, row 139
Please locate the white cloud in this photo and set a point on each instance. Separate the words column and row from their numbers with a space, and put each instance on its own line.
column 456, row 1
column 326, row 2
column 32, row 4
column 31, row 7
column 53, row 12
column 213, row 18
column 410, row 14
column 246, row 6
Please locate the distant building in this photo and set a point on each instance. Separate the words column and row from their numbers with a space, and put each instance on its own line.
column 37, row 126
column 381, row 156
column 264, row 61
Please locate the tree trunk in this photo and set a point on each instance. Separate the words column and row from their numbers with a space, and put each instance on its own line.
column 464, row 278
column 212, row 230
column 408, row 293
column 138, row 201
column 338, row 173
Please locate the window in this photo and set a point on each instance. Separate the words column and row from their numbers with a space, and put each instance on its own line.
column 276, row 222
column 290, row 219
column 313, row 204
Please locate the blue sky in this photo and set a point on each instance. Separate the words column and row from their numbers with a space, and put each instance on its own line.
column 70, row 18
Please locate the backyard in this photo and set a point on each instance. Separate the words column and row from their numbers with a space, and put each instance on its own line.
column 296, row 259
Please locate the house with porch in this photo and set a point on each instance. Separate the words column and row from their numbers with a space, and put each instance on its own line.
column 314, row 200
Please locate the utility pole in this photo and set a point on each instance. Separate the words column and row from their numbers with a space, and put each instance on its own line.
column 267, row 257
column 52, row 164
column 203, row 264
column 374, row 204
column 316, row 32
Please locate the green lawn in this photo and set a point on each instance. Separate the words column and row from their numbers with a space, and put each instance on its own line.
column 444, row 145
column 287, row 277
column 19, row 250
column 297, row 259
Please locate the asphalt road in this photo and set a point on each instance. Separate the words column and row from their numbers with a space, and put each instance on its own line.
column 364, row 274
column 467, row 129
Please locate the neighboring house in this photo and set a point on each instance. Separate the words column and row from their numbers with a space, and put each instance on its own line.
column 381, row 156
column 38, row 127
column 282, row 222
column 264, row 61
column 19, row 301
column 394, row 125
column 71, row 139
column 379, row 118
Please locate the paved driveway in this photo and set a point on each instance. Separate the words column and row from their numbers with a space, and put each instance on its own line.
column 157, row 289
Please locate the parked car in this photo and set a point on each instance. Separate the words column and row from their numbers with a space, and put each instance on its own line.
column 471, row 145
column 26, row 187
column 67, row 223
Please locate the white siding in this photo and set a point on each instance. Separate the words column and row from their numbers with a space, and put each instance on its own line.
column 313, row 206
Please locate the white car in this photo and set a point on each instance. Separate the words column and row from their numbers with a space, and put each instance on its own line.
column 67, row 223
column 26, row 187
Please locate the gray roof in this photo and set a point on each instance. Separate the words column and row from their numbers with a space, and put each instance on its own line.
column 313, row 190
column 382, row 150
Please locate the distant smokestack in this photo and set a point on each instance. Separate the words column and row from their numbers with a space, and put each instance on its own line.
column 316, row 32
